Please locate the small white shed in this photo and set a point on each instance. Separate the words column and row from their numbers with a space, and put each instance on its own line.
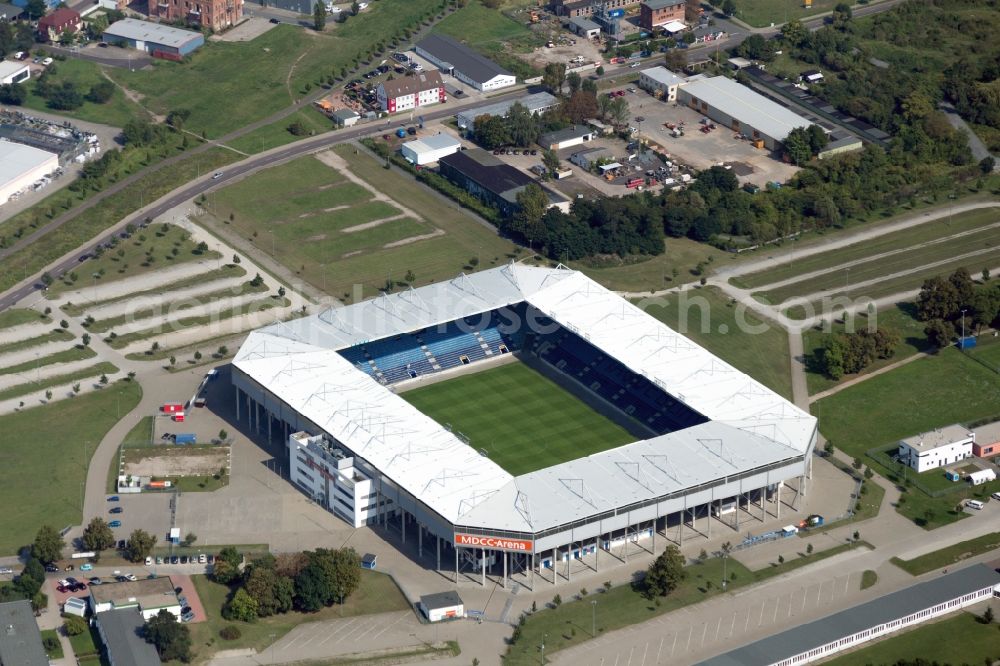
column 75, row 606
column 982, row 476
column 442, row 606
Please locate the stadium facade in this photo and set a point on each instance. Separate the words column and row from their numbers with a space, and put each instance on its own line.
column 717, row 443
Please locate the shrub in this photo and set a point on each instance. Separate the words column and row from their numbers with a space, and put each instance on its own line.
column 229, row 632
column 74, row 625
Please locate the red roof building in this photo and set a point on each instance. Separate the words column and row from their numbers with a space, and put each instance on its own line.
column 52, row 26
column 410, row 92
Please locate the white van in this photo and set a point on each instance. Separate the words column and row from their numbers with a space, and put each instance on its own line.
column 974, row 504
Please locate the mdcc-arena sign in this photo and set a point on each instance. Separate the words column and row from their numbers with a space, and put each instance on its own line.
column 493, row 543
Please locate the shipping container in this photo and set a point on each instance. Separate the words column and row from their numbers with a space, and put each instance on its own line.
column 178, row 417
column 172, row 407
column 185, row 438
column 616, row 13
column 159, row 484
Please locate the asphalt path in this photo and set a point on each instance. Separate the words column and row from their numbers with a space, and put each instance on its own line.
column 292, row 150
column 104, row 56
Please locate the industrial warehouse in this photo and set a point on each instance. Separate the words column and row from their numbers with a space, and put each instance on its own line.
column 712, row 441
column 21, row 166
column 160, row 41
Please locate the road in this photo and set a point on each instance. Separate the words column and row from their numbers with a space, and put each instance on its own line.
column 110, row 56
column 275, row 156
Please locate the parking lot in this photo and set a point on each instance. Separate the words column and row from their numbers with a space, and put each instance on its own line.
column 703, row 150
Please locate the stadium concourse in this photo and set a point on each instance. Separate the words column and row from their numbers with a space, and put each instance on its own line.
column 713, row 445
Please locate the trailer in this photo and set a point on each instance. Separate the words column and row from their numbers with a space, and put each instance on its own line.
column 172, row 408
column 83, row 556
column 184, row 438
column 178, row 417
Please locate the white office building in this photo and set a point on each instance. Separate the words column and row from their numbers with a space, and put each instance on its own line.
column 661, row 82
column 937, row 448
column 327, row 474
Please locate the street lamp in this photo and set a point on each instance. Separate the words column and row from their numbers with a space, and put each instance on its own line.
column 962, row 345
column 593, row 618
column 725, row 577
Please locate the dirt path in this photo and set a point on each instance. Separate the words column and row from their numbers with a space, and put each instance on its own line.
column 335, row 161
column 135, row 98
column 875, row 373
column 372, row 224
column 414, row 239
column 291, row 71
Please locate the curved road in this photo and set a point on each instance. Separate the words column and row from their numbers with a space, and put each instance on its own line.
column 289, row 151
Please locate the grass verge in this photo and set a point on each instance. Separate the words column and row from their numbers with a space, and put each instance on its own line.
column 65, row 356
column 54, row 442
column 95, row 370
column 868, row 579
column 949, row 555
column 56, row 335
column 18, row 316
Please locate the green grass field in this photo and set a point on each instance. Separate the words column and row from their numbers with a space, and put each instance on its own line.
column 985, row 243
column 762, row 13
column 953, row 554
column 492, row 33
column 523, row 420
column 928, row 393
column 286, row 210
column 898, row 317
column 956, row 639
column 734, row 334
column 906, row 238
column 277, row 134
column 251, row 80
column 146, row 251
column 52, row 444
column 377, row 593
column 18, row 316
column 115, row 112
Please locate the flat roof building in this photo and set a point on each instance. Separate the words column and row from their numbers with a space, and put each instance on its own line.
column 121, row 632
column 12, row 71
column 411, row 92
column 21, row 166
column 987, row 442
column 535, row 103
column 584, row 27
column 492, row 180
column 157, row 39
column 661, row 82
column 463, row 63
column 886, row 615
column 146, row 596
column 657, row 13
column 442, row 606
column 430, row 149
column 741, row 109
column 574, row 135
column 20, row 639
column 937, row 448
column 10, row 12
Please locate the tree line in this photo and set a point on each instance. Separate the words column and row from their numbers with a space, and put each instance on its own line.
column 850, row 353
column 269, row 585
column 944, row 302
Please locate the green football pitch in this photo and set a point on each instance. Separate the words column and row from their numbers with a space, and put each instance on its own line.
column 522, row 419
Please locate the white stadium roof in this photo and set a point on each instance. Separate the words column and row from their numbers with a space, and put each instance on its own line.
column 749, row 425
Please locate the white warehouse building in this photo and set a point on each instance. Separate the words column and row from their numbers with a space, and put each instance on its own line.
column 709, row 437
column 463, row 63
column 21, row 166
column 937, row 448
column 430, row 148
column 740, row 109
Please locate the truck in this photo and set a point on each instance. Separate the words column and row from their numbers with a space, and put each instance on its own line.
column 184, row 438
column 635, row 182
column 172, row 407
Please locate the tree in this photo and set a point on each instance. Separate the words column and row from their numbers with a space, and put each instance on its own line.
column 939, row 333
column 532, row 203
column 74, row 625
column 48, row 545
column 35, row 9
column 580, row 106
column 574, row 81
column 242, row 607
column 550, row 159
column 272, row 592
column 841, row 14
column 140, row 545
column 794, row 33
column 227, row 566
column 189, row 539
column 665, row 573
column 728, row 7
column 319, row 16
column 171, row 638
column 938, row 299
column 797, row 146
column 101, row 92
column 97, row 535
column 331, row 575
column 675, row 60
column 65, row 97
column 618, row 112
column 236, row 259
column 987, row 164
column 553, row 77
column 85, row 339
column 355, row 8
column 13, row 94
column 987, row 616
column 756, row 47
column 281, row 292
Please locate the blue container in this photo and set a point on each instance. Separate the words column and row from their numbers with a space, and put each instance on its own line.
column 966, row 343
column 616, row 13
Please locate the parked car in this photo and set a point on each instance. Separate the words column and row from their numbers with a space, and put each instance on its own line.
column 185, row 610
column 113, row 498
column 96, row 581
column 159, row 560
column 184, row 559
column 275, row 21
column 87, row 567
column 51, row 568
column 202, row 559
column 175, row 560
column 115, row 523
column 182, row 600
column 211, row 559
column 130, row 576
column 62, row 588
column 121, row 544
column 120, row 578
column 217, row 175
column 149, row 560
column 187, row 617
column 116, row 509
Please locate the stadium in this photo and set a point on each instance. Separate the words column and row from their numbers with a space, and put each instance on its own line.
column 517, row 418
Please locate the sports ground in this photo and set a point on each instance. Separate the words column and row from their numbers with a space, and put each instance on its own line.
column 522, row 419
